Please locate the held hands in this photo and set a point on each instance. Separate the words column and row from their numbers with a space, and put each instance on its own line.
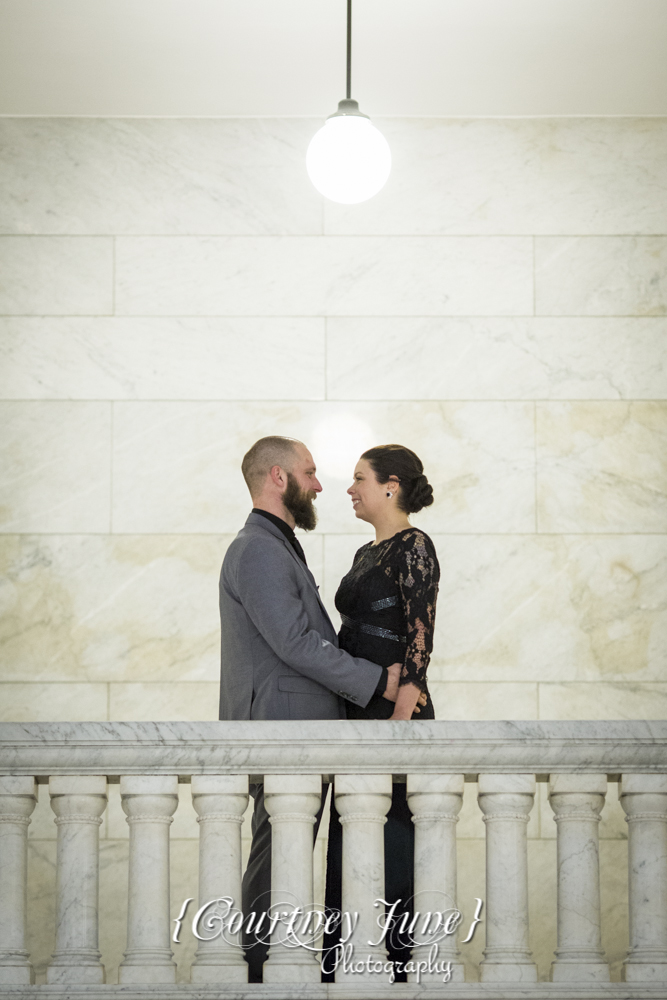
column 410, row 697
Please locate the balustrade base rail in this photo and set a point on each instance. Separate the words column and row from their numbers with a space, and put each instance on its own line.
column 345, row 991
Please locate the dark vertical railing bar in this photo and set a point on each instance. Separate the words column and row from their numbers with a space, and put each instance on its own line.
column 348, row 93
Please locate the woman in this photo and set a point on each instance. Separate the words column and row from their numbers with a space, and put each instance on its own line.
column 387, row 606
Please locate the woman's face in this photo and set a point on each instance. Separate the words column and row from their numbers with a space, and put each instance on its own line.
column 368, row 496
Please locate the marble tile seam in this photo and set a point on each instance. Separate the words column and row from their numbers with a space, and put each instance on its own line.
column 543, row 400
column 336, row 236
column 529, row 682
column 536, row 525
column 335, row 534
column 111, row 468
column 326, row 358
column 314, row 117
column 113, row 276
column 365, row 317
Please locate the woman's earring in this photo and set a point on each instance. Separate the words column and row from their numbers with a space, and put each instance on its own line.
column 389, row 494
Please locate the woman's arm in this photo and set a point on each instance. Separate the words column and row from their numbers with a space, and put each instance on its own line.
column 406, row 702
column 418, row 578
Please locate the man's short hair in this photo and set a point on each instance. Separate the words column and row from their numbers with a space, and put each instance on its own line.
column 264, row 454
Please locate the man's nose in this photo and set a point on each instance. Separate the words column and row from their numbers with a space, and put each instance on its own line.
column 317, row 486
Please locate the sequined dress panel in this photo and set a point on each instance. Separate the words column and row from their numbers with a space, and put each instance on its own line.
column 387, row 605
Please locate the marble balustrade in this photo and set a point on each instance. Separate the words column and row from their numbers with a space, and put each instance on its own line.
column 578, row 761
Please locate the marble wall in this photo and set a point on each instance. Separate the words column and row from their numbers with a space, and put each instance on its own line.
column 172, row 290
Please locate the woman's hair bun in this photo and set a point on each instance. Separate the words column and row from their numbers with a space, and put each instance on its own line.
column 418, row 494
column 388, row 460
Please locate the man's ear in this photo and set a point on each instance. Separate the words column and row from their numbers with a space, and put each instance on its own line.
column 278, row 476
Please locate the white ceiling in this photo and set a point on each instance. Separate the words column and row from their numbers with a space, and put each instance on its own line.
column 287, row 57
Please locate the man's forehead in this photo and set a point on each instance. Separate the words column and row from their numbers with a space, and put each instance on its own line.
column 305, row 457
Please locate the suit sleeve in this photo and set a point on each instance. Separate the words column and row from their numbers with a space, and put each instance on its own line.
column 267, row 586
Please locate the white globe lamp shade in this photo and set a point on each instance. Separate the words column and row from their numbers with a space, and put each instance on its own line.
column 348, row 160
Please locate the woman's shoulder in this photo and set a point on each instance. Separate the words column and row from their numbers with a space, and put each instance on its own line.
column 416, row 548
column 412, row 538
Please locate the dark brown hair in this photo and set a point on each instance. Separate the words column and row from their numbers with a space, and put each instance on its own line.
column 394, row 460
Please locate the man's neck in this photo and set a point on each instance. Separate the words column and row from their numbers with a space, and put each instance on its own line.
column 276, row 508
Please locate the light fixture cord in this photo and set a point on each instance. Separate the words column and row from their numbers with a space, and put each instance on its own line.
column 349, row 50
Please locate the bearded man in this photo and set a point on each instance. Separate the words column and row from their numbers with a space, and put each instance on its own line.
column 280, row 657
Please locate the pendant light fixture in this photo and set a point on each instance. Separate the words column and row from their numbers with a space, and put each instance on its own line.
column 348, row 160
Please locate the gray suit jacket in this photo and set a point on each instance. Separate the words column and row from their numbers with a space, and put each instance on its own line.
column 280, row 657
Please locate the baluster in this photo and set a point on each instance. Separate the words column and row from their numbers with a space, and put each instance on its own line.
column 220, row 801
column 577, row 800
column 149, row 802
column 78, row 802
column 644, row 800
column 363, row 801
column 18, row 796
column 435, row 801
column 506, row 801
column 292, row 802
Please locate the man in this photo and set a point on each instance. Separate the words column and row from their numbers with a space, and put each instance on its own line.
column 280, row 657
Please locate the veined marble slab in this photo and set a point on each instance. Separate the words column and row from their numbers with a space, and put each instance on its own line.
column 154, row 701
column 603, row 700
column 517, row 358
column 78, row 611
column 39, row 701
column 550, row 608
column 314, row 276
column 318, row 747
column 601, row 276
column 513, row 612
column 602, row 466
column 111, row 608
column 55, row 466
column 539, row 175
column 56, row 275
column 157, row 175
column 177, row 465
column 467, row 176
column 167, row 358
column 483, row 699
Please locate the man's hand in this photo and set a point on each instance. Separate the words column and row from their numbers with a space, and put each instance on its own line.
column 391, row 691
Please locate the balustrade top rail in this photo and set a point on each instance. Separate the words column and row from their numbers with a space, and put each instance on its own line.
column 186, row 748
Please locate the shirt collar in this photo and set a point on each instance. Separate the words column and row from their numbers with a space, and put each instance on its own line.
column 279, row 523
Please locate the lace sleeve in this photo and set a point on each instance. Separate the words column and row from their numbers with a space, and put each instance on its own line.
column 418, row 577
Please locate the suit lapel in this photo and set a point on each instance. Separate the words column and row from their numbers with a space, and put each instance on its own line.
column 309, row 577
column 263, row 522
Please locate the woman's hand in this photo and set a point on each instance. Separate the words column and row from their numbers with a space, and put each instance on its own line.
column 406, row 702
column 392, row 689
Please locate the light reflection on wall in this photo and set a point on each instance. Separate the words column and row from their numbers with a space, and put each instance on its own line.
column 338, row 441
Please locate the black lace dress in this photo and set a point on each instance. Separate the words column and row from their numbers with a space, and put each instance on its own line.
column 387, row 606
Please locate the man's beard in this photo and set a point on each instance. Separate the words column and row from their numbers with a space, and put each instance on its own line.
column 300, row 504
